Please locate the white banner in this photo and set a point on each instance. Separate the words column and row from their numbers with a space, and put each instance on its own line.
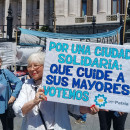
column 105, row 40
column 30, row 37
column 7, row 53
column 23, row 52
column 87, row 73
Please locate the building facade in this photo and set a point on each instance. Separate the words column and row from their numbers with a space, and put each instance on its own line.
column 68, row 13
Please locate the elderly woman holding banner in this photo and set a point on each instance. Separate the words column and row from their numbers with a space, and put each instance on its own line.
column 32, row 104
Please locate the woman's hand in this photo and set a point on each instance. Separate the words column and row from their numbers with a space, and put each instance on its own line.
column 92, row 110
column 11, row 100
column 40, row 96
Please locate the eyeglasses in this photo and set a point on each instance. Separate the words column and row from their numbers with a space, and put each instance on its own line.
column 34, row 66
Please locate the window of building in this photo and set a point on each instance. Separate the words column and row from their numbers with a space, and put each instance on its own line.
column 84, row 7
column 38, row 4
column 118, row 6
column 114, row 7
column 87, row 7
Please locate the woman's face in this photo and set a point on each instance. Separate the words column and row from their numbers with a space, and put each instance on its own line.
column 35, row 70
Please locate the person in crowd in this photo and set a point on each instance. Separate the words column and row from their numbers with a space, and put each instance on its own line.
column 32, row 104
column 7, row 95
column 81, row 119
column 105, row 118
column 25, row 78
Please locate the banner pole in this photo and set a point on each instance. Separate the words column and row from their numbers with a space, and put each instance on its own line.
column 125, row 21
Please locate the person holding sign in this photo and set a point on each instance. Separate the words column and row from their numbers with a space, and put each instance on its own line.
column 32, row 104
column 7, row 96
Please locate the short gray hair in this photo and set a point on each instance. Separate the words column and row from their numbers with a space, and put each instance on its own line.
column 37, row 57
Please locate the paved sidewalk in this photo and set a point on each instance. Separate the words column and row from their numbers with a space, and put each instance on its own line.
column 91, row 124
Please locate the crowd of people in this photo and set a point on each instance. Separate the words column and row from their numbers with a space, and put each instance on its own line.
column 31, row 103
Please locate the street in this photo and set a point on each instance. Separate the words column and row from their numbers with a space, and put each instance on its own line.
column 92, row 123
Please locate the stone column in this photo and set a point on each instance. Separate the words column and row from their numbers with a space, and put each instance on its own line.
column 102, row 6
column 24, row 12
column 94, row 7
column 1, row 13
column 14, row 9
column 7, row 2
column 78, row 13
column 30, row 12
column 109, row 7
column 66, row 8
column 41, row 13
column 72, row 7
column 59, row 7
